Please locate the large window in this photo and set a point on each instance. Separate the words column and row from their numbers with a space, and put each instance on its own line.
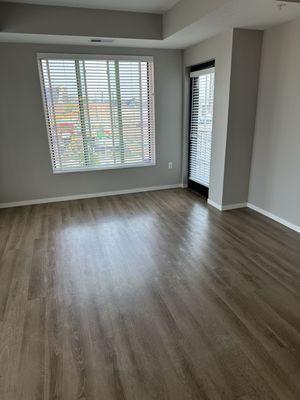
column 99, row 111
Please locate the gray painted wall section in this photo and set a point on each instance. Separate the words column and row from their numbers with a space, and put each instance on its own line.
column 187, row 12
column 220, row 49
column 246, row 54
column 275, row 174
column 237, row 56
column 25, row 169
column 74, row 21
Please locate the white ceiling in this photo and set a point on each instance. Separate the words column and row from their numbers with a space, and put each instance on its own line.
column 247, row 14
column 251, row 14
column 154, row 6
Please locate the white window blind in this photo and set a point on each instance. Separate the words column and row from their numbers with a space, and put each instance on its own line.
column 201, row 125
column 99, row 111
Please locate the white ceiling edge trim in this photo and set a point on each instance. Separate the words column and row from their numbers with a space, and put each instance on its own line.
column 7, row 37
column 139, row 6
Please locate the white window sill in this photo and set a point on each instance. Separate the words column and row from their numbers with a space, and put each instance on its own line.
column 103, row 168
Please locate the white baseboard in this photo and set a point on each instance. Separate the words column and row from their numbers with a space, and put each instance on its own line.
column 150, row 189
column 228, row 207
column 234, row 206
column 88, row 195
column 274, row 217
column 215, row 205
column 257, row 209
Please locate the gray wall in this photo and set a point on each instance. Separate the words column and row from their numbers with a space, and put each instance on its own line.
column 25, row 168
column 74, row 21
column 275, row 175
column 246, row 53
column 186, row 12
column 237, row 56
column 220, row 49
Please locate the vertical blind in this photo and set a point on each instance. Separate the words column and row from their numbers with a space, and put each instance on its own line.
column 99, row 111
column 202, row 102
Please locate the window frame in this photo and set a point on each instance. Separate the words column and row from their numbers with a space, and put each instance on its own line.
column 69, row 56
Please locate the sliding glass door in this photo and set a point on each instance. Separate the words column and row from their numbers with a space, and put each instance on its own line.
column 201, row 124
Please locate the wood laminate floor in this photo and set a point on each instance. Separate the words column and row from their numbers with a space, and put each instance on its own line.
column 147, row 296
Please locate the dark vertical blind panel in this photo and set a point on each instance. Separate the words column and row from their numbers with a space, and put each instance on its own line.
column 200, row 67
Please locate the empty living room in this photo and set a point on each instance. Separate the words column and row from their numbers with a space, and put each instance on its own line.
column 149, row 200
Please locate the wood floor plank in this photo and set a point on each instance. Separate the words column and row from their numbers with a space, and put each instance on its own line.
column 147, row 296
